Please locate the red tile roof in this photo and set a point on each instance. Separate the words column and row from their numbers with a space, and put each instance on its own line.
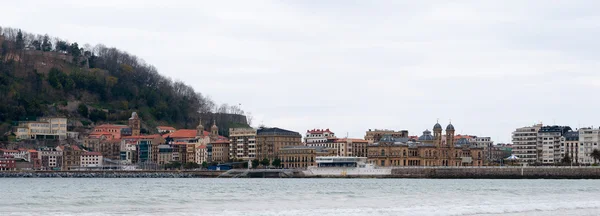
column 76, row 148
column 220, row 141
column 201, row 147
column 153, row 136
column 165, row 128
column 31, row 150
column 111, row 126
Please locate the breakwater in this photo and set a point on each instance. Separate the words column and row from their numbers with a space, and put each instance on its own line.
column 110, row 174
column 498, row 172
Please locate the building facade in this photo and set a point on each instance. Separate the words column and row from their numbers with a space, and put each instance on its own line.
column 548, row 143
column 302, row 157
column 242, row 143
column 270, row 140
column 429, row 150
column 43, row 128
column 569, row 146
column 91, row 159
column 588, row 141
column 525, row 143
column 373, row 136
column 318, row 136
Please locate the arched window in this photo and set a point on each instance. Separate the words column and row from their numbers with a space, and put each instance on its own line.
column 382, row 152
column 404, row 153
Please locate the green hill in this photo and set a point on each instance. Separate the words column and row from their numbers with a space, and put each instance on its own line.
column 41, row 76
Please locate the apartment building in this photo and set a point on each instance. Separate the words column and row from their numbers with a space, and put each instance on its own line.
column 525, row 142
column 373, row 136
column 242, row 143
column 588, row 141
column 318, row 136
column 270, row 140
column 43, row 128
column 548, row 143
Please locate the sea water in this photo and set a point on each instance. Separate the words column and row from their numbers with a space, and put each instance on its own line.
column 70, row 196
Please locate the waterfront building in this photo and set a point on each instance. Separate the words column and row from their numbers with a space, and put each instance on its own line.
column 548, row 143
column 525, row 143
column 242, row 143
column 318, row 136
column 373, row 136
column 428, row 150
column 165, row 154
column 7, row 162
column 270, row 140
column 91, row 159
column 43, row 128
column 220, row 151
column 141, row 149
column 201, row 154
column 71, row 157
column 51, row 159
column 588, row 141
column 301, row 157
column 344, row 147
column 165, row 129
column 496, row 154
column 569, row 146
column 105, row 143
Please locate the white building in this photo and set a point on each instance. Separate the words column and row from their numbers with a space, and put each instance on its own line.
column 525, row 143
column 318, row 136
column 201, row 154
column 588, row 141
column 549, row 142
column 569, row 146
column 91, row 159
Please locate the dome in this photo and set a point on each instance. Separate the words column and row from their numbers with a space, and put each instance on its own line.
column 426, row 136
column 437, row 126
column 450, row 127
column 462, row 141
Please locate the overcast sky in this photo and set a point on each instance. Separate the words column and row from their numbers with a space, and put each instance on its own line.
column 490, row 66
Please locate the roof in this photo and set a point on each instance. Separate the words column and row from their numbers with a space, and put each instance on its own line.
column 11, row 151
column 318, row 131
column 165, row 128
column 92, row 153
column 437, row 126
column 31, row 150
column 111, row 126
column 276, row 131
column 153, row 136
column 350, row 140
column 76, row 148
column 201, row 147
column 220, row 141
column 184, row 133
column 450, row 127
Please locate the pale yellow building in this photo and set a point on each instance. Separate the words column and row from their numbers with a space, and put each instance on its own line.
column 43, row 128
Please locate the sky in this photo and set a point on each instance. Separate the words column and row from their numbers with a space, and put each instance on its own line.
column 486, row 66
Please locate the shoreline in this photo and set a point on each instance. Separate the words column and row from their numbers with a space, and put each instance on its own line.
column 413, row 172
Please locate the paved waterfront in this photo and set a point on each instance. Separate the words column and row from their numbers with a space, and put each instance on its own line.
column 56, row 196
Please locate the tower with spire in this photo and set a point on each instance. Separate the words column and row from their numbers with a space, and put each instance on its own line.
column 214, row 130
column 437, row 135
column 134, row 124
column 200, row 129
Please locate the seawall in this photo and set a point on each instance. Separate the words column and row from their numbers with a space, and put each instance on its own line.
column 110, row 174
column 499, row 172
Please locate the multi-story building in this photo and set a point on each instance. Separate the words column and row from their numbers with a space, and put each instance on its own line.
column 140, row 149
column 496, row 154
column 318, row 136
column 428, row 151
column 165, row 129
column 588, row 141
column 105, row 143
column 43, row 128
column 270, row 140
column 548, row 141
column 91, row 159
column 373, row 136
column 301, row 157
column 165, row 154
column 110, row 131
column 525, row 143
column 344, row 147
column 569, row 146
column 51, row 159
column 71, row 157
column 201, row 154
column 220, row 150
column 7, row 162
column 242, row 143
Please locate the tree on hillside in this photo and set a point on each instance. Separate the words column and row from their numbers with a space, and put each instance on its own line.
column 36, row 44
column 596, row 155
column 82, row 109
column 20, row 42
column 46, row 44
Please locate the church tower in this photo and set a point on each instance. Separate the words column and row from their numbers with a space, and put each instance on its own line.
column 437, row 135
column 200, row 129
column 134, row 124
column 450, row 135
column 214, row 130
